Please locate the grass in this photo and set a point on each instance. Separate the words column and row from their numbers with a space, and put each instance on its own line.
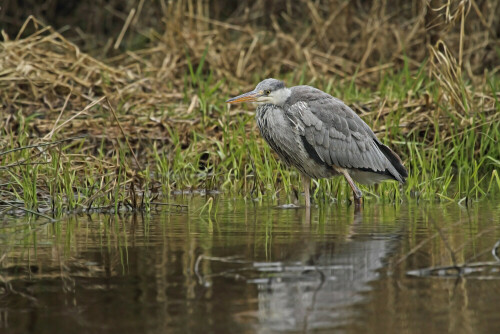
column 65, row 177
column 83, row 135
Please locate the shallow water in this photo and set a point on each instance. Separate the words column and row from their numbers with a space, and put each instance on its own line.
column 254, row 268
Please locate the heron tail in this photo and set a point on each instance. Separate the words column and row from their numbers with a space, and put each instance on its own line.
column 396, row 162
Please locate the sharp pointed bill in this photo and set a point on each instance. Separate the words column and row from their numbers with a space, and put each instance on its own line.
column 247, row 97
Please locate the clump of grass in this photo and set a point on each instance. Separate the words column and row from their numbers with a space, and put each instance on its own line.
column 154, row 120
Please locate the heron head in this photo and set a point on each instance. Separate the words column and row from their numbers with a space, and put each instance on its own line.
column 268, row 91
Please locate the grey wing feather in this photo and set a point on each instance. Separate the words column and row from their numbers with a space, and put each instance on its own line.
column 338, row 135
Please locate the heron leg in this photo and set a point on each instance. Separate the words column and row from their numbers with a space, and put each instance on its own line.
column 306, row 182
column 358, row 195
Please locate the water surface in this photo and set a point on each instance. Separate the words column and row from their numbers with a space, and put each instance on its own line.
column 254, row 268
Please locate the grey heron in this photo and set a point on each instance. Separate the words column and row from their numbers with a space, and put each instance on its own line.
column 321, row 136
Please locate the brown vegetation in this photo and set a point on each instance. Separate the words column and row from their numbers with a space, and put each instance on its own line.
column 339, row 39
column 154, row 67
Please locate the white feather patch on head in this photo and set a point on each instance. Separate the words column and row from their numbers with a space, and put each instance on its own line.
column 279, row 97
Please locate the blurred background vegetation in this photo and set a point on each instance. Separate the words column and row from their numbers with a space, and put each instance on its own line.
column 145, row 81
column 362, row 33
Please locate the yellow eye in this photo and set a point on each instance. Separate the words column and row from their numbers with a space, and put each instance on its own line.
column 267, row 92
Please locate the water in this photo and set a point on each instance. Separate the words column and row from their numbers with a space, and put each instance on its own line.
column 254, row 269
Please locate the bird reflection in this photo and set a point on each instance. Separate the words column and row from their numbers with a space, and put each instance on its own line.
column 316, row 287
column 357, row 219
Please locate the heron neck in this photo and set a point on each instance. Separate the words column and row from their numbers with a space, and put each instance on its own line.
column 262, row 111
column 281, row 95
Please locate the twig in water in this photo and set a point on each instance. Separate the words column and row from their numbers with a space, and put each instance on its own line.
column 52, row 220
column 421, row 244
column 446, row 244
column 230, row 259
column 169, row 204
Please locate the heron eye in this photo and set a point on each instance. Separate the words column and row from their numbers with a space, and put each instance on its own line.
column 267, row 92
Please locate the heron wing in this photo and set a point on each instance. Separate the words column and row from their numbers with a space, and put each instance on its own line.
column 339, row 136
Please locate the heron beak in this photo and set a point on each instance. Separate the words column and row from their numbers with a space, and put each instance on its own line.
column 247, row 97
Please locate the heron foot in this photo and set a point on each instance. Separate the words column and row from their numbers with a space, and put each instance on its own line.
column 358, row 195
